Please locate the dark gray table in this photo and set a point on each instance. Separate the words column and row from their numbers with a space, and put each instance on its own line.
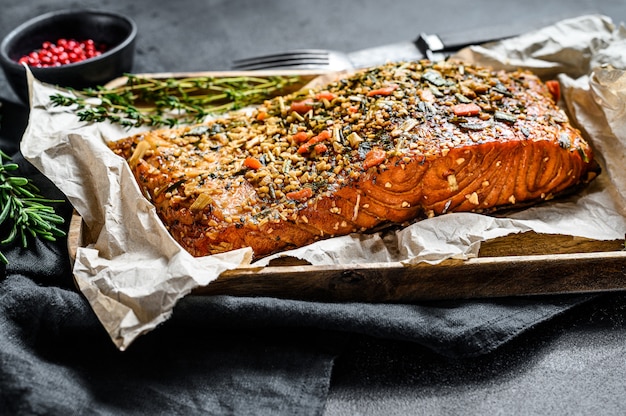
column 574, row 364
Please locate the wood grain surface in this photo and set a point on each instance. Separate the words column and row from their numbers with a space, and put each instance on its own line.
column 514, row 265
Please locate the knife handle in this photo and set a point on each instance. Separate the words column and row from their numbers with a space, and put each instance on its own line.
column 458, row 40
column 437, row 46
column 440, row 45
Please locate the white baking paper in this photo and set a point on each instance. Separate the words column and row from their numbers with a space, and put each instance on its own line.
column 133, row 273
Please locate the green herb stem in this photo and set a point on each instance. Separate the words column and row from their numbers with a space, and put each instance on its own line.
column 145, row 101
column 27, row 213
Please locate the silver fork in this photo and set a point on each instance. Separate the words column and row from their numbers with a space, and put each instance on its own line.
column 296, row 59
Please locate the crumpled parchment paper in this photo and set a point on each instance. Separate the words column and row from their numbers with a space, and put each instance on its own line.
column 133, row 273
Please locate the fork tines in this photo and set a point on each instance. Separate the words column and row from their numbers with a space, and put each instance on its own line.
column 304, row 58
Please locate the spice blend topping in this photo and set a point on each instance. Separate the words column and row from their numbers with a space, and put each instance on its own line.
column 388, row 144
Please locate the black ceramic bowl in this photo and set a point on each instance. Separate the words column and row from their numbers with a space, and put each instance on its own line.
column 113, row 30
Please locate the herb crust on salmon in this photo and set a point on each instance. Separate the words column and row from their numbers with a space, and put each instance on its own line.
column 386, row 145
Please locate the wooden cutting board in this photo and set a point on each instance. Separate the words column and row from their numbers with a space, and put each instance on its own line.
column 515, row 265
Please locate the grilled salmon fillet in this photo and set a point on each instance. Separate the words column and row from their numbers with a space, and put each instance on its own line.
column 387, row 145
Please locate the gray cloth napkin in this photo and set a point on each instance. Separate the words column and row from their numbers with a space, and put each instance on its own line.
column 451, row 328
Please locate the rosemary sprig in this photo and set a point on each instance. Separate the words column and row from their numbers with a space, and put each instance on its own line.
column 145, row 101
column 25, row 211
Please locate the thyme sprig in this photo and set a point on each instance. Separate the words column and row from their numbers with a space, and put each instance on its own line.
column 145, row 101
column 25, row 211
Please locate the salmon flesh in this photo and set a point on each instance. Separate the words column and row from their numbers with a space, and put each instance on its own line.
column 387, row 145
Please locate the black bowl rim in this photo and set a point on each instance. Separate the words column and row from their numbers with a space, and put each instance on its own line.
column 68, row 12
